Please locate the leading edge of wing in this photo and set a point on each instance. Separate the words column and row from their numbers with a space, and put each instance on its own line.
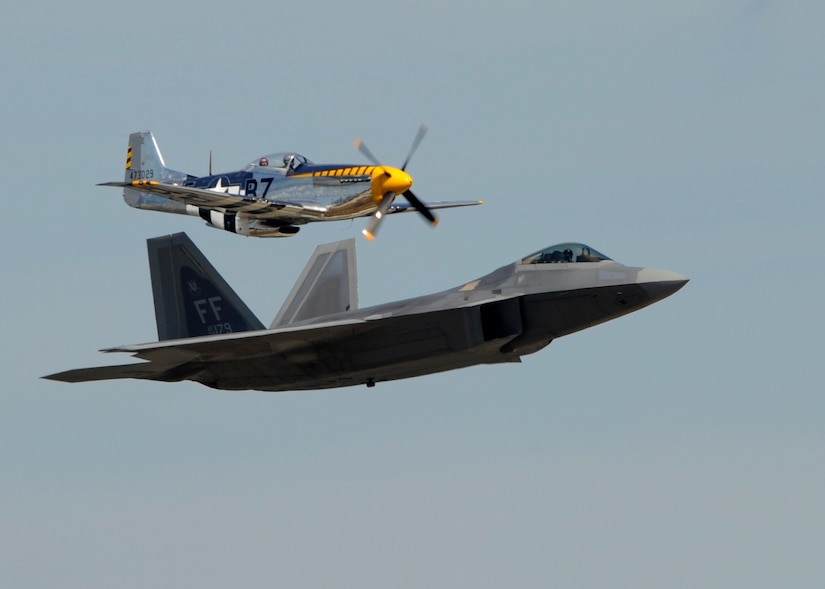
column 165, row 358
column 236, row 345
column 140, row 370
column 405, row 207
column 213, row 199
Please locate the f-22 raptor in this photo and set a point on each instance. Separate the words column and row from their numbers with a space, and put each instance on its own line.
column 321, row 339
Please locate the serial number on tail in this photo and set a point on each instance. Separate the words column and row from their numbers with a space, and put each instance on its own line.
column 218, row 328
column 142, row 174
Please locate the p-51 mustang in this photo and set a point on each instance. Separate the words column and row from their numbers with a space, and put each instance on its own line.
column 320, row 339
column 274, row 194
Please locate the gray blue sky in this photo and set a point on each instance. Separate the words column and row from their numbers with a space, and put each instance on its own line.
column 681, row 446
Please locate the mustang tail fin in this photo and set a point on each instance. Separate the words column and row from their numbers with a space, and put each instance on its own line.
column 191, row 298
column 327, row 285
column 144, row 163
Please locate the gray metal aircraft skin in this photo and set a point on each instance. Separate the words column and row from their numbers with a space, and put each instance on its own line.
column 274, row 194
column 321, row 339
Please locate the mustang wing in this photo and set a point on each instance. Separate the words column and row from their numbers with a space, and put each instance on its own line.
column 212, row 199
column 405, row 207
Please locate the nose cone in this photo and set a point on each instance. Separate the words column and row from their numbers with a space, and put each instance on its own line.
column 394, row 180
column 660, row 284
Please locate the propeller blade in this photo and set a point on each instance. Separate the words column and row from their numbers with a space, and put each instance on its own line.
column 422, row 130
column 421, row 207
column 384, row 181
column 361, row 146
column 372, row 227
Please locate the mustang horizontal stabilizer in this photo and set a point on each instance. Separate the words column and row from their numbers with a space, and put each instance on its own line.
column 191, row 298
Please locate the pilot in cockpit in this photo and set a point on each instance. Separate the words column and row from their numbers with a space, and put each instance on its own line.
column 263, row 162
column 290, row 163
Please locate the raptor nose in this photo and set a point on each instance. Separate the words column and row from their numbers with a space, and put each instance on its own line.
column 660, row 284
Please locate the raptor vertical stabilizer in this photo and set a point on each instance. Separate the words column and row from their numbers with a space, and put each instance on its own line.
column 191, row 298
column 327, row 285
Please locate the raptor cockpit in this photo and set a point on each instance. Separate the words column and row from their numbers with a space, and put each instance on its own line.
column 565, row 253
